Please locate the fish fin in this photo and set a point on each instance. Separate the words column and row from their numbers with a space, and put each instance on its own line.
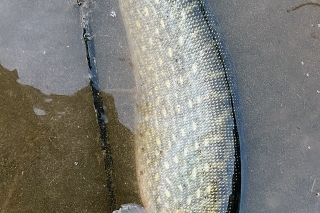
column 130, row 208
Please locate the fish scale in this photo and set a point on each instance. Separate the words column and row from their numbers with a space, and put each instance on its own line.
column 185, row 129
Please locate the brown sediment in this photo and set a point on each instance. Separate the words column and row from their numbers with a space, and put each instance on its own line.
column 54, row 162
column 121, row 141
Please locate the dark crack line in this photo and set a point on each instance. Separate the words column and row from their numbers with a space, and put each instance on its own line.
column 304, row 4
column 97, row 100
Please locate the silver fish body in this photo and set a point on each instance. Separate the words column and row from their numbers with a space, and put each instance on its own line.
column 185, row 126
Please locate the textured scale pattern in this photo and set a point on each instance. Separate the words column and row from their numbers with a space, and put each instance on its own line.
column 184, row 118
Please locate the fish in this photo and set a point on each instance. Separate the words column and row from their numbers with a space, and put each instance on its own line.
column 186, row 135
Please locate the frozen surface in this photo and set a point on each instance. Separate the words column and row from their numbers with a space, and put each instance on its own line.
column 42, row 40
column 113, row 58
column 276, row 56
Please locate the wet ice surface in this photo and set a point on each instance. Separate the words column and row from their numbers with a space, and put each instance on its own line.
column 50, row 151
column 55, row 160
column 113, row 58
column 40, row 142
column 42, row 40
column 276, row 55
